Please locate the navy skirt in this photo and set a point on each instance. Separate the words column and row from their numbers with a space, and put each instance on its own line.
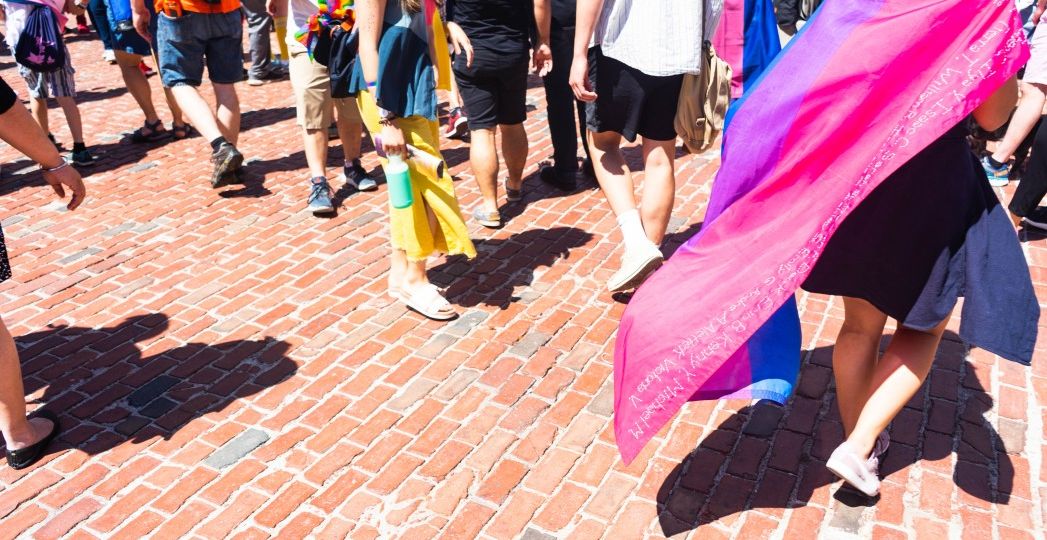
column 932, row 232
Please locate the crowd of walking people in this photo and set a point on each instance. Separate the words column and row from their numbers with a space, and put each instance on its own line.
column 611, row 70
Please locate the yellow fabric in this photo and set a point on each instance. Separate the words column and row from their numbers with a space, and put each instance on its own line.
column 281, row 36
column 443, row 58
column 409, row 227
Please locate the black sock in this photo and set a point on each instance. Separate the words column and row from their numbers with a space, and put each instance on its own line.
column 217, row 143
column 79, row 147
column 995, row 163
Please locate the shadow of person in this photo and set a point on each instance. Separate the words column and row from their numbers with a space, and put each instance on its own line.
column 764, row 456
column 107, row 392
column 503, row 264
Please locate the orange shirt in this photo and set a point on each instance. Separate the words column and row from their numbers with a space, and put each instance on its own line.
column 201, row 6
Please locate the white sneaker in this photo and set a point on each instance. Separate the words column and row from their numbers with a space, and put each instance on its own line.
column 109, row 56
column 636, row 266
column 862, row 473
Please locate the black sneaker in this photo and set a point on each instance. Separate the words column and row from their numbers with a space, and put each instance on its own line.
column 356, row 176
column 226, row 162
column 561, row 181
column 82, row 158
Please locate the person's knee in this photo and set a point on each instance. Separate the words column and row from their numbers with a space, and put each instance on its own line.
column 605, row 142
column 225, row 95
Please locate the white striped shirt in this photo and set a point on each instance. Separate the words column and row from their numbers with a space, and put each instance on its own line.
column 658, row 37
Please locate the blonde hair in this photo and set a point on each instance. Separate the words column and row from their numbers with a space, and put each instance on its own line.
column 411, row 6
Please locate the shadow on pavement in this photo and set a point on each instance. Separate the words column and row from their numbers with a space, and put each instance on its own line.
column 719, row 478
column 503, row 264
column 107, row 392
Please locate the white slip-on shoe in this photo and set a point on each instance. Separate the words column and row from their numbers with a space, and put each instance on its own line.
column 859, row 472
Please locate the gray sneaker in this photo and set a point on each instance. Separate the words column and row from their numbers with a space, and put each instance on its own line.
column 320, row 196
column 356, row 176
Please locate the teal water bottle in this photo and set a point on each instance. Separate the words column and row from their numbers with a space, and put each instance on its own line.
column 399, row 179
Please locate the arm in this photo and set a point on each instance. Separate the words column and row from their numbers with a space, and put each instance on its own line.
column 369, row 16
column 1038, row 12
column 140, row 18
column 457, row 36
column 585, row 22
column 19, row 130
column 997, row 109
column 543, row 55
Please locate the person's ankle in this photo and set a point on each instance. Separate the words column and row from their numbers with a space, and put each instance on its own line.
column 79, row 147
column 996, row 162
column 217, row 143
column 21, row 436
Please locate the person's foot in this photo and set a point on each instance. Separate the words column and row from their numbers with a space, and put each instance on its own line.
column 82, row 157
column 637, row 265
column 860, row 472
column 22, row 454
column 226, row 161
column 998, row 176
column 491, row 220
column 457, row 124
column 82, row 29
column 266, row 78
column 320, row 196
column 355, row 175
column 1037, row 218
column 561, row 181
column 109, row 56
column 145, row 69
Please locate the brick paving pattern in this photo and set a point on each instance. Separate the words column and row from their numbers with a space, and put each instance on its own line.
column 224, row 367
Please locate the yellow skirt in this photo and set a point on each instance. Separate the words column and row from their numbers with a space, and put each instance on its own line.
column 410, row 227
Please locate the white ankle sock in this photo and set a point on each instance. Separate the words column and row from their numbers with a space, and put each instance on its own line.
column 632, row 230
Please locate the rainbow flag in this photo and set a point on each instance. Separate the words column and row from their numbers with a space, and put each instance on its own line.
column 747, row 39
column 329, row 13
column 862, row 89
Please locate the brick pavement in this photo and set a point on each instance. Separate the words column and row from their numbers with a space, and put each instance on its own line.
column 223, row 368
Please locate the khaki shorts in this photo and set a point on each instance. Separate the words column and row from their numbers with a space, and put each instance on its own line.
column 312, row 94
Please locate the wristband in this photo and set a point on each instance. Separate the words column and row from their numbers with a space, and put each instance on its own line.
column 60, row 166
column 371, row 86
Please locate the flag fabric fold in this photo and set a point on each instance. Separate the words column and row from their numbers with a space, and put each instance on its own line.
column 862, row 88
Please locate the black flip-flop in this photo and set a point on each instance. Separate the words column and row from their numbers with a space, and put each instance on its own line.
column 24, row 457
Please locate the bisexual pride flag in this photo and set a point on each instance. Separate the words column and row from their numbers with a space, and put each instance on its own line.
column 747, row 39
column 864, row 87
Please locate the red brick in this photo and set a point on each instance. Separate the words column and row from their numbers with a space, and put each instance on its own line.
column 469, row 522
column 503, row 479
column 562, row 508
column 284, row 504
column 68, row 518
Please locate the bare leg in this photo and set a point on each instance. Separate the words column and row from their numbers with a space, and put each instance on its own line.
column 316, row 151
column 72, row 117
column 483, row 157
column 1030, row 107
column 659, row 188
column 176, row 112
column 898, row 377
column 228, row 113
column 350, row 134
column 18, row 431
column 612, row 172
column 514, row 151
column 197, row 111
column 39, row 108
column 137, row 84
column 854, row 357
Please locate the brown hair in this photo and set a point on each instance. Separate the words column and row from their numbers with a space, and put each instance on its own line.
column 411, row 6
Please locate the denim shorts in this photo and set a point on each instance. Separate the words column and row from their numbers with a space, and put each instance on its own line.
column 185, row 43
column 131, row 42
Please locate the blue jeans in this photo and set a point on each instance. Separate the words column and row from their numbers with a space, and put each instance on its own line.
column 97, row 11
column 186, row 43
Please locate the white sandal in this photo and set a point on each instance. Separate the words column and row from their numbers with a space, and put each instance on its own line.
column 427, row 300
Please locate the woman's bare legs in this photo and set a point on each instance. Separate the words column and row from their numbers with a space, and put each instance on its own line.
column 854, row 358
column 895, row 380
column 18, row 431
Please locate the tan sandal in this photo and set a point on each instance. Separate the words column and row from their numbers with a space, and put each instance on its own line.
column 427, row 300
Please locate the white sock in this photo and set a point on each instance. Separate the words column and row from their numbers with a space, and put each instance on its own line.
column 632, row 230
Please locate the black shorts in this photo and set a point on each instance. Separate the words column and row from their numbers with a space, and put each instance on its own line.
column 493, row 89
column 630, row 102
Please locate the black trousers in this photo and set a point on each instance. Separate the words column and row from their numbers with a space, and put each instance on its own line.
column 1033, row 186
column 563, row 108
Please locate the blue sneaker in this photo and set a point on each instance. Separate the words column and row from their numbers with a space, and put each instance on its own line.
column 998, row 177
column 355, row 175
column 320, row 196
